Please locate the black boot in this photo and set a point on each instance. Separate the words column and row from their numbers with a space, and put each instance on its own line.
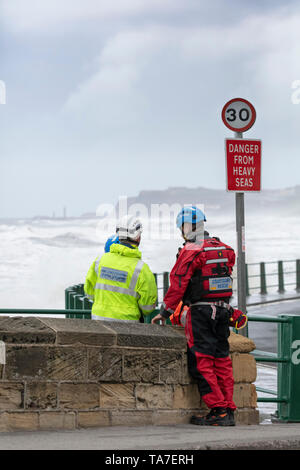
column 231, row 416
column 201, row 420
column 216, row 417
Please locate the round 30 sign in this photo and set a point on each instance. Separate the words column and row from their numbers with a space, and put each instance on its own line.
column 238, row 115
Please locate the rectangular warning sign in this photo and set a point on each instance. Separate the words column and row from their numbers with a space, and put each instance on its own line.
column 243, row 164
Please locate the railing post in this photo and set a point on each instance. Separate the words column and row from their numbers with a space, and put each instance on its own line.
column 280, row 277
column 298, row 275
column 67, row 298
column 70, row 294
column 78, row 302
column 72, row 304
column 166, row 283
column 263, row 285
column 87, row 305
column 289, row 373
column 81, row 289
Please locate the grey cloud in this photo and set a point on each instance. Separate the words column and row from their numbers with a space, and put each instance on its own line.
column 135, row 104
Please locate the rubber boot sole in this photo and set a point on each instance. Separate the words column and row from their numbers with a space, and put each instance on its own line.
column 198, row 421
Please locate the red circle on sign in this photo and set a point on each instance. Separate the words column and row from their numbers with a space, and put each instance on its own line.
column 250, row 123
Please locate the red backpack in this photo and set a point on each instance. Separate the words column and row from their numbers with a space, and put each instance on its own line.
column 213, row 281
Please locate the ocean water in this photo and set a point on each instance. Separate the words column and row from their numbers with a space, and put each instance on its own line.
column 267, row 379
column 41, row 257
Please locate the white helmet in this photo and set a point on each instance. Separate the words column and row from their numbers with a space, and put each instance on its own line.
column 129, row 227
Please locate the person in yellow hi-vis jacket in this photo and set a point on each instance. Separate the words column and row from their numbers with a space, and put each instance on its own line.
column 120, row 284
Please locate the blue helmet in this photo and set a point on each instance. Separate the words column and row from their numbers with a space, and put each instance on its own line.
column 110, row 241
column 190, row 214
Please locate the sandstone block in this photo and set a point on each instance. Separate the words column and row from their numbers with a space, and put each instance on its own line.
column 171, row 417
column 66, row 363
column 186, row 377
column 131, row 417
column 90, row 419
column 3, row 422
column 19, row 421
column 26, row 362
column 24, row 330
column 244, row 368
column 154, row 396
column 72, row 330
column 170, row 366
column 105, row 364
column 143, row 335
column 179, row 329
column 246, row 416
column 79, row 395
column 241, row 344
column 117, row 396
column 11, row 395
column 141, row 366
column 46, row 363
column 41, row 395
column 186, row 397
column 245, row 395
column 57, row 420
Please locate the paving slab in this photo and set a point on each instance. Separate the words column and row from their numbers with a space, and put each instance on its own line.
column 179, row 437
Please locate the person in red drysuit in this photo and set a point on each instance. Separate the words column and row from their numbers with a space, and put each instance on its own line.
column 201, row 279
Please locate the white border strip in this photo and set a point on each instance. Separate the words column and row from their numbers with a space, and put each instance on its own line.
column 2, row 353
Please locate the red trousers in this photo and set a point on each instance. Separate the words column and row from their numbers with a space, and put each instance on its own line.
column 207, row 332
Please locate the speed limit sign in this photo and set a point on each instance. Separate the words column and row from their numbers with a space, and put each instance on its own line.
column 238, row 115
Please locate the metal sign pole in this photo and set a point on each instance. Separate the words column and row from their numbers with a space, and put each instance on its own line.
column 241, row 258
column 239, row 115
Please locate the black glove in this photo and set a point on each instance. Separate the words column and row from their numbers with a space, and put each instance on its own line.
column 164, row 312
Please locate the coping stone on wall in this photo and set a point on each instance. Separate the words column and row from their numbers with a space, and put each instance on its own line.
column 76, row 330
column 240, row 344
column 67, row 331
column 23, row 330
column 146, row 335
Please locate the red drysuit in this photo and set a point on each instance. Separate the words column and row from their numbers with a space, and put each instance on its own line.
column 200, row 277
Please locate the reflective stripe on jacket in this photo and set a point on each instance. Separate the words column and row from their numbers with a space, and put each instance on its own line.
column 121, row 284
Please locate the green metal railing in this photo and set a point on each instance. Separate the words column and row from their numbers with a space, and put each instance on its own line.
column 288, row 368
column 78, row 305
column 259, row 277
column 285, row 272
column 263, row 272
column 71, row 313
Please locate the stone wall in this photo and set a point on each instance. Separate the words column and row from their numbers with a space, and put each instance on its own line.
column 68, row 374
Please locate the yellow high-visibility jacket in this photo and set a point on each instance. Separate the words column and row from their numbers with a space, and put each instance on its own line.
column 121, row 285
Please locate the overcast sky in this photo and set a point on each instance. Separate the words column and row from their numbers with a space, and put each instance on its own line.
column 107, row 98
